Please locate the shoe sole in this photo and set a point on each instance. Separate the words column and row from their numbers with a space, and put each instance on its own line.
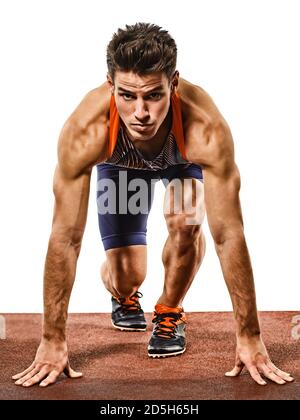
column 129, row 329
column 159, row 356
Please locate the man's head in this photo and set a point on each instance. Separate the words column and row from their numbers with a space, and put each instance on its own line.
column 142, row 48
column 142, row 74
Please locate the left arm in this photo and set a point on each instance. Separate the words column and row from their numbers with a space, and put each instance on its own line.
column 222, row 185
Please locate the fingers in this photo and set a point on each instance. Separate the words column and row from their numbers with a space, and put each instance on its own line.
column 37, row 377
column 46, row 374
column 29, row 375
column 268, row 373
column 20, row 375
column 284, row 375
column 268, row 369
column 51, row 378
column 235, row 371
column 72, row 373
column 271, row 372
column 256, row 375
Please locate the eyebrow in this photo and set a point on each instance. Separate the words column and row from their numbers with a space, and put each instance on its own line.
column 157, row 88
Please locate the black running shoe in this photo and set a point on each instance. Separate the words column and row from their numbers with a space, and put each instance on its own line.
column 127, row 314
column 168, row 336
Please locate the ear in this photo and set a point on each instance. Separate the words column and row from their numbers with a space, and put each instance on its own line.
column 175, row 81
column 110, row 82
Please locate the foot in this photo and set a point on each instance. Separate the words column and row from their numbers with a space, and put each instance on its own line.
column 127, row 314
column 168, row 336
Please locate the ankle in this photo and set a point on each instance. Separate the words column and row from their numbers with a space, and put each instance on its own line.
column 133, row 293
column 171, row 303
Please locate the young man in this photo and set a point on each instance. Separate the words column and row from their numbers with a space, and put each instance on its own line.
column 143, row 125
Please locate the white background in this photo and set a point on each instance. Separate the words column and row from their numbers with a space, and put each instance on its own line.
column 244, row 53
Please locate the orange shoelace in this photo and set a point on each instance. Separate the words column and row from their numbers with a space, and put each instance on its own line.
column 131, row 303
column 167, row 319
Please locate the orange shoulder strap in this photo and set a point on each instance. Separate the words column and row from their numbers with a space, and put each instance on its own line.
column 114, row 125
column 177, row 127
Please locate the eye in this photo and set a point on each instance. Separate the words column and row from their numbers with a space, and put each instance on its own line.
column 155, row 95
column 127, row 96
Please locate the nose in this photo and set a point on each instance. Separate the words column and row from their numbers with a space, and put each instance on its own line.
column 141, row 111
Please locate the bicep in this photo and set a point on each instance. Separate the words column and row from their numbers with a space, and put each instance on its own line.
column 78, row 152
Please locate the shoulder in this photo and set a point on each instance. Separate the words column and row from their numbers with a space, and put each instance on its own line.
column 196, row 103
column 208, row 138
column 93, row 107
column 83, row 138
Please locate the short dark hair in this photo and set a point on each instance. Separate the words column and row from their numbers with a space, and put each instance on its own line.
column 142, row 48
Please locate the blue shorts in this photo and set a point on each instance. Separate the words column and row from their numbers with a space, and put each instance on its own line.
column 116, row 187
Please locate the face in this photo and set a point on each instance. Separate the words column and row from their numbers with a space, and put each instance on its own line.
column 143, row 102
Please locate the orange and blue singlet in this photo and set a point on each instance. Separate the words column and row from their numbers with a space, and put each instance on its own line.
column 126, row 180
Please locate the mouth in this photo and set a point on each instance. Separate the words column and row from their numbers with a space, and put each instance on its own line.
column 142, row 127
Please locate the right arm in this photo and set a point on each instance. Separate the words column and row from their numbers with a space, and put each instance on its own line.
column 71, row 187
column 79, row 149
column 71, row 204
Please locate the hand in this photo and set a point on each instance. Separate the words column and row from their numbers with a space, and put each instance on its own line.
column 50, row 361
column 252, row 354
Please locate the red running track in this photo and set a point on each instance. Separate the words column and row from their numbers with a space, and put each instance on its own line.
column 115, row 364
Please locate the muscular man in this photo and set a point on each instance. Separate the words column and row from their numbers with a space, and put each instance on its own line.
column 143, row 125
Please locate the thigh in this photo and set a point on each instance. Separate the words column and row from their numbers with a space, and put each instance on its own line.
column 124, row 199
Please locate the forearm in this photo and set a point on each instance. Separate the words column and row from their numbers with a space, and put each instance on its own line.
column 237, row 271
column 59, row 276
